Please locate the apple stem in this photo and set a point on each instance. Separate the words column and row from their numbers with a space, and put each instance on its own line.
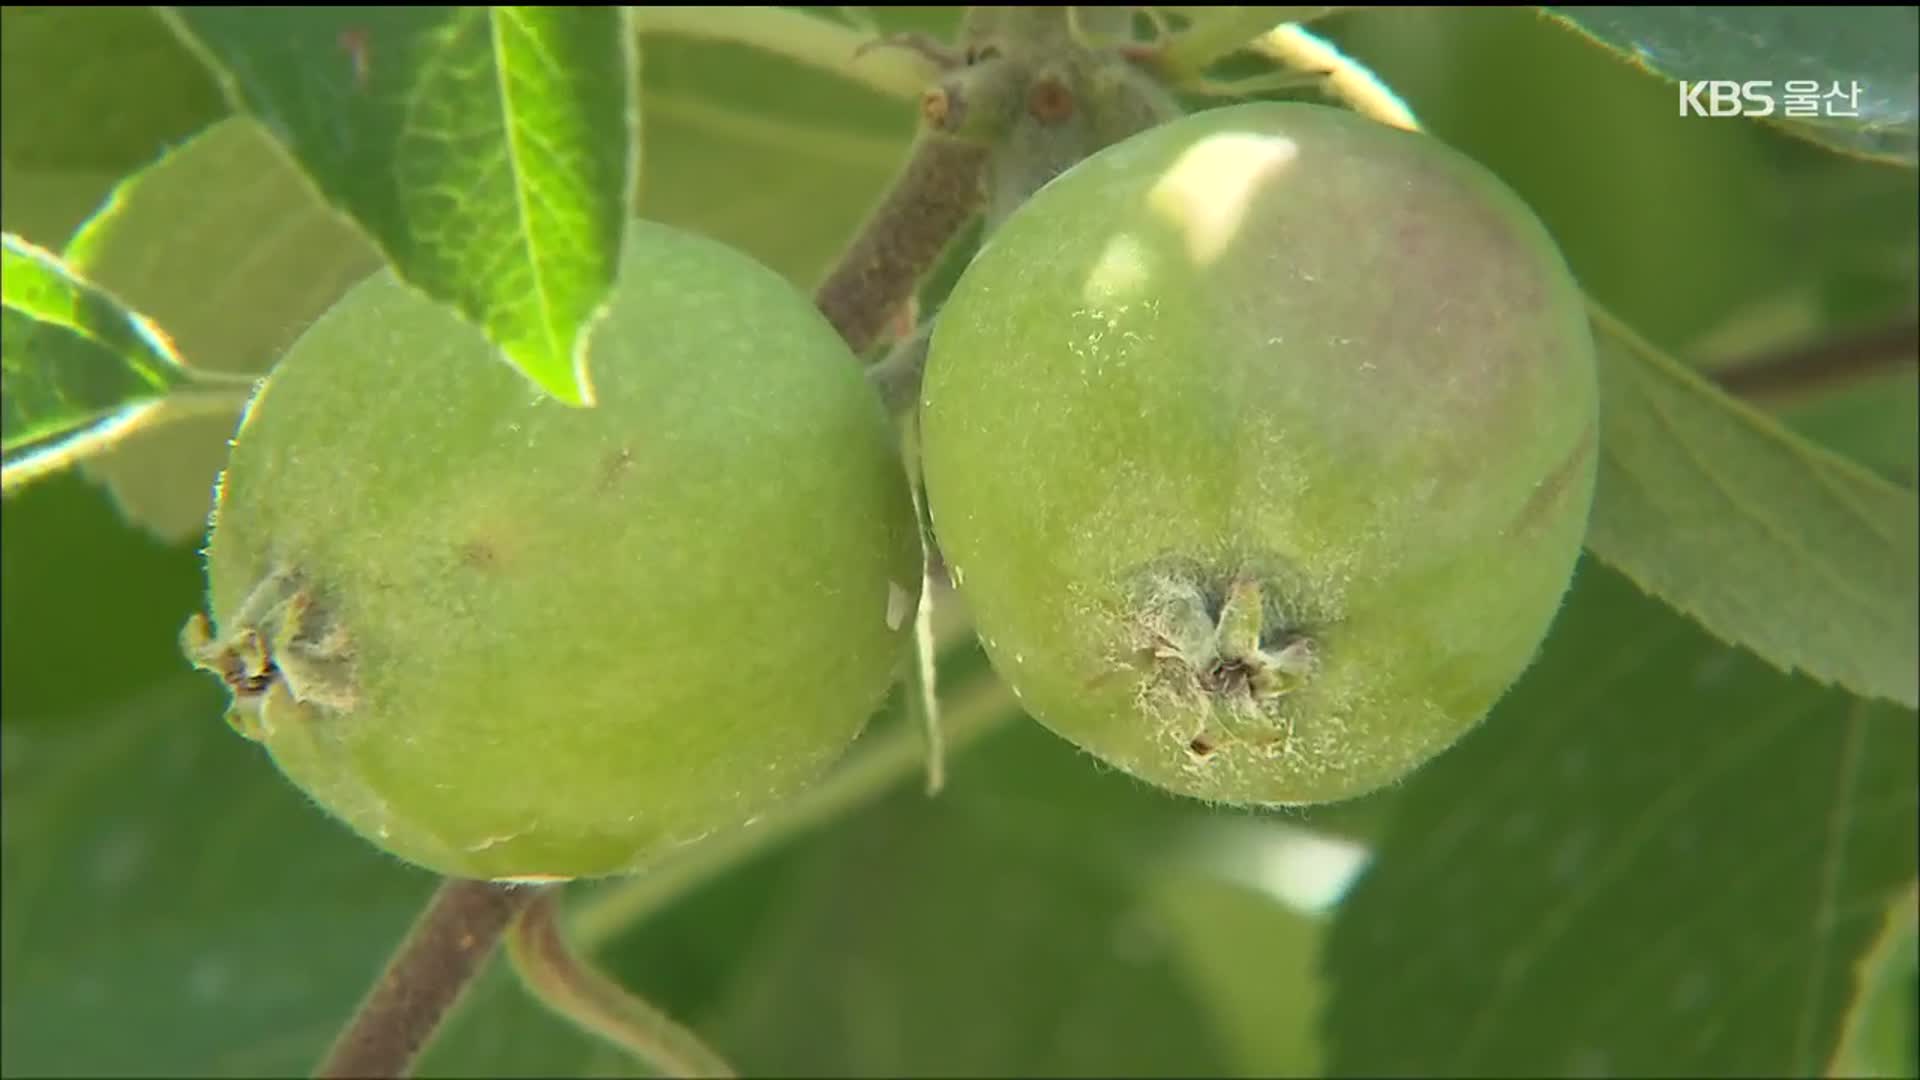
column 441, row 955
column 567, row 983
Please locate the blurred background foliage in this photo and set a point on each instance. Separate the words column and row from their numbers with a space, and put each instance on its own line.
column 1657, row 856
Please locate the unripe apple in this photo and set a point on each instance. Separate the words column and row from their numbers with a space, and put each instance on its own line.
column 502, row 637
column 1261, row 446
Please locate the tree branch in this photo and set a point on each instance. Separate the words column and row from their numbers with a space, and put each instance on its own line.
column 1799, row 369
column 441, row 955
column 931, row 201
column 935, row 195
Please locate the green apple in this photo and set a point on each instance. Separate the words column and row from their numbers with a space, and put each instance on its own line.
column 506, row 638
column 1261, row 447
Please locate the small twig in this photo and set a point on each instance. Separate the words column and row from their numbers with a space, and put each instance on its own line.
column 441, row 955
column 940, row 55
column 1799, row 369
column 1268, row 82
column 576, row 991
column 936, row 194
column 933, row 198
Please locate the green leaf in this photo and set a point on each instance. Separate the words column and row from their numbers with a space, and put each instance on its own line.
column 989, row 931
column 228, row 958
column 210, row 916
column 489, row 151
column 78, row 368
column 1872, row 421
column 48, row 392
column 1656, row 857
column 225, row 242
column 96, row 89
column 1769, row 541
column 1877, row 48
column 1884, row 1035
column 1254, row 965
column 66, row 558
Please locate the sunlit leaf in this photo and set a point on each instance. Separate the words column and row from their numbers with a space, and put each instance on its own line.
column 489, row 151
column 78, row 368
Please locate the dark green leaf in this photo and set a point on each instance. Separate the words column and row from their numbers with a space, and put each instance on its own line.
column 96, row 89
column 1253, row 963
column 1877, row 48
column 165, row 884
column 209, row 916
column 489, row 151
column 1656, row 857
column 1769, row 541
column 999, row 929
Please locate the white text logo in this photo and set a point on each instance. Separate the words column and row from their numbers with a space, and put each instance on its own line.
column 1757, row 97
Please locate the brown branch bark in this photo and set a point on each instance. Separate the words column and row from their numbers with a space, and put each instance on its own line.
column 938, row 191
column 441, row 955
column 1799, row 369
